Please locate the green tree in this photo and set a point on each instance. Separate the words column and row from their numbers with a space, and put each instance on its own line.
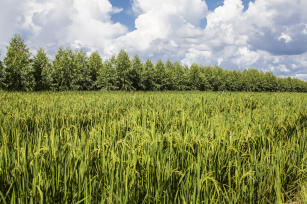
column 18, row 75
column 108, row 78
column 170, row 69
column 298, row 85
column 64, row 74
column 236, row 81
column 270, row 81
column 95, row 66
column 205, row 85
column 218, row 82
column 136, row 73
column 41, row 71
column 82, row 80
column 195, row 79
column 2, row 75
column 160, row 76
column 252, row 80
column 179, row 77
column 123, row 68
column 148, row 76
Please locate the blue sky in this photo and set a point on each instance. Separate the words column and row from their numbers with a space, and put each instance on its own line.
column 269, row 35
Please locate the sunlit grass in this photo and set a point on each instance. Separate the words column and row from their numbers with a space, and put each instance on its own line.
column 172, row 147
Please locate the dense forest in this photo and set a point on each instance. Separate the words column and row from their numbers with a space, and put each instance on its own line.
column 74, row 70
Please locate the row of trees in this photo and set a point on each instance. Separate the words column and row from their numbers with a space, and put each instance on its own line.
column 73, row 70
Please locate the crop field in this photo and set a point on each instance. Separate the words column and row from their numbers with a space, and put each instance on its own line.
column 153, row 147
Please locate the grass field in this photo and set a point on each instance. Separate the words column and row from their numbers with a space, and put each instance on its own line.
column 155, row 147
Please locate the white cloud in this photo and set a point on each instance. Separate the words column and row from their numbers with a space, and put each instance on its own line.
column 57, row 23
column 301, row 76
column 163, row 26
column 285, row 37
column 269, row 35
column 194, row 55
column 246, row 57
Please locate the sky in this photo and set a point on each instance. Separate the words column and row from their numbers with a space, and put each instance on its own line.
column 269, row 35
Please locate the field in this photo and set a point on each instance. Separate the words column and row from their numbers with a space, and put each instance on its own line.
column 154, row 147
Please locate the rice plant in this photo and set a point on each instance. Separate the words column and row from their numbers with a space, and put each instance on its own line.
column 153, row 147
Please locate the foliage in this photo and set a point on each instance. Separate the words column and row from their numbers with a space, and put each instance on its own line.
column 63, row 74
column 95, row 66
column 169, row 69
column 195, row 79
column 108, row 76
column 41, row 71
column 82, row 71
column 2, row 75
column 73, row 70
column 179, row 77
column 160, row 76
column 148, row 76
column 185, row 147
column 136, row 73
column 123, row 68
column 18, row 76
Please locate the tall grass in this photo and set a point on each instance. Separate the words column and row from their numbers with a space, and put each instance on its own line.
column 185, row 147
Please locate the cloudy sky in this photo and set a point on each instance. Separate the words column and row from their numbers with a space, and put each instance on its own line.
column 270, row 35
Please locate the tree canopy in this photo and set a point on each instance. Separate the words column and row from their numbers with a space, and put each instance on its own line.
column 2, row 75
column 74, row 70
column 17, row 66
column 42, row 71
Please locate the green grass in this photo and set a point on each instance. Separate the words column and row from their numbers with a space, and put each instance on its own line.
column 167, row 147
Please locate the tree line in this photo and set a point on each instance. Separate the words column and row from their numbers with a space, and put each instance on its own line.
column 74, row 70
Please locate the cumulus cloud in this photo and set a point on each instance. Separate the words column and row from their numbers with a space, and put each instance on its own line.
column 57, row 23
column 277, row 26
column 164, row 27
column 285, row 37
column 268, row 35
